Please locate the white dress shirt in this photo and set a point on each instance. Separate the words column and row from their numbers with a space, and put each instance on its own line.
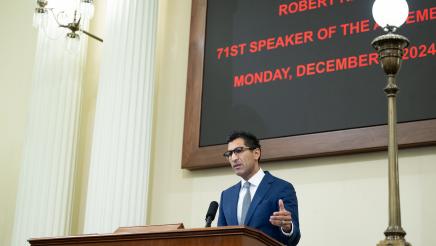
column 254, row 184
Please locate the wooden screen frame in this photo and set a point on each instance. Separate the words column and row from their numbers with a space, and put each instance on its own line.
column 418, row 133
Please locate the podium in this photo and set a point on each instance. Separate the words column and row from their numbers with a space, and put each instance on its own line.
column 213, row 236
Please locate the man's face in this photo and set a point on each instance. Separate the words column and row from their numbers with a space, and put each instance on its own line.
column 245, row 164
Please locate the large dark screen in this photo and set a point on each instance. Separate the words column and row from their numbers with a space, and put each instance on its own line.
column 286, row 68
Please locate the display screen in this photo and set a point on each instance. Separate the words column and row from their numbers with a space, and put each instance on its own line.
column 287, row 68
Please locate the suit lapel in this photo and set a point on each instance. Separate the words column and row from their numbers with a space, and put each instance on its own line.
column 262, row 190
column 233, row 202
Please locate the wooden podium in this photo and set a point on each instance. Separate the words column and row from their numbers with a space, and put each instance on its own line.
column 214, row 236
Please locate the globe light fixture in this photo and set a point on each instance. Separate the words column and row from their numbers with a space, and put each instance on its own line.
column 390, row 15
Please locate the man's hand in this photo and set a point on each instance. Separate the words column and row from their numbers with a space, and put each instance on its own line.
column 282, row 218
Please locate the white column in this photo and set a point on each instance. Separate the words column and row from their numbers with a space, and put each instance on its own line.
column 45, row 187
column 118, row 175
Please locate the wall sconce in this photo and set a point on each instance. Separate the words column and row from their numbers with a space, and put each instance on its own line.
column 390, row 15
column 41, row 20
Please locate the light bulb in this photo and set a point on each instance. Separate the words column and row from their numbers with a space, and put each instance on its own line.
column 87, row 9
column 40, row 18
column 390, row 14
column 73, row 42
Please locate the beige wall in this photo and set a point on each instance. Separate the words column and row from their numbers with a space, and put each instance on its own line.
column 17, row 49
column 342, row 199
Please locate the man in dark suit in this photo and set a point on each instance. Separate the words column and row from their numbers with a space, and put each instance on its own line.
column 259, row 200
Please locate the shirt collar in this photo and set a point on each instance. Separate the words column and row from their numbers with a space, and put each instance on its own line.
column 256, row 179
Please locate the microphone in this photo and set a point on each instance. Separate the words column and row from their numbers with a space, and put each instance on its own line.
column 211, row 212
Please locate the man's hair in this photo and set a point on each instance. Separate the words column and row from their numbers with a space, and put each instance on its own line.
column 249, row 139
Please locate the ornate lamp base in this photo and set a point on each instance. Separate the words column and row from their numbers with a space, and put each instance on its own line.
column 398, row 242
column 390, row 50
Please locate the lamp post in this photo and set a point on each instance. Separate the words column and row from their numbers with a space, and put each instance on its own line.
column 390, row 15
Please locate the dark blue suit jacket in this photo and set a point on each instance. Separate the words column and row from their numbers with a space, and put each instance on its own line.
column 264, row 203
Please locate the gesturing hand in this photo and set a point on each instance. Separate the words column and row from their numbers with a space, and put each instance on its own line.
column 282, row 218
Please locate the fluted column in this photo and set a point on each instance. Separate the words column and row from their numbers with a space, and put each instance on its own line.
column 118, row 175
column 46, row 177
